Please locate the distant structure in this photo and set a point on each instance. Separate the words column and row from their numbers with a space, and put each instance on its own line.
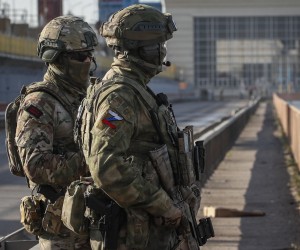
column 237, row 45
column 107, row 7
column 47, row 10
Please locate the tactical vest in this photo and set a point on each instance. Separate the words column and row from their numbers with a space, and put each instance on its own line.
column 11, row 114
column 179, row 144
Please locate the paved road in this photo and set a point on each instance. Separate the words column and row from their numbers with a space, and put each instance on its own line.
column 253, row 176
column 13, row 188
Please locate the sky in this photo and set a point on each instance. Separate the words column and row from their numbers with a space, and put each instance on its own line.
column 87, row 9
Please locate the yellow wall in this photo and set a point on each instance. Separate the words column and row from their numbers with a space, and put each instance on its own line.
column 22, row 46
column 17, row 45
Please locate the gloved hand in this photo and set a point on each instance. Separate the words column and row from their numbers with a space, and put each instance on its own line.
column 170, row 219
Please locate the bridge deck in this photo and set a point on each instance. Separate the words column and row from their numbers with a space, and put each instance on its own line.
column 254, row 176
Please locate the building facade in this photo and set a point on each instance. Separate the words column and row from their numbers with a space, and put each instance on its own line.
column 236, row 45
column 107, row 7
column 47, row 10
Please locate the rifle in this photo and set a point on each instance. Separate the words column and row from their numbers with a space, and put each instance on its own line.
column 111, row 218
column 200, row 232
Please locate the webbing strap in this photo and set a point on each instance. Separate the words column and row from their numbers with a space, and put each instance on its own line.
column 112, row 84
column 54, row 94
column 147, row 97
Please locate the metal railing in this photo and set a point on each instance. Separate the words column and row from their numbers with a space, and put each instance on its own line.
column 18, row 240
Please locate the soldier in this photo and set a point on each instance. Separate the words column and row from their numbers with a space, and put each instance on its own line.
column 44, row 135
column 131, row 142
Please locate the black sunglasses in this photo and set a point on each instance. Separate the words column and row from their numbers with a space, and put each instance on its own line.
column 80, row 55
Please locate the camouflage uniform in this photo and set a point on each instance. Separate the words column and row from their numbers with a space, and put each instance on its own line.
column 118, row 132
column 44, row 133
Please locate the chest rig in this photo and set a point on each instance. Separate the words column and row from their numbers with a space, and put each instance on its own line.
column 179, row 144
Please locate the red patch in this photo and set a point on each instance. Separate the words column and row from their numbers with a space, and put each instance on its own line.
column 34, row 111
column 108, row 123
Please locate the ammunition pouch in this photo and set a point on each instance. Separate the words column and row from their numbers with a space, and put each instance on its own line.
column 199, row 158
column 87, row 210
column 52, row 218
column 74, row 207
column 191, row 157
column 32, row 210
column 161, row 162
column 186, row 151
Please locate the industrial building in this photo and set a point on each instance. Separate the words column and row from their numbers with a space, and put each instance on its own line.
column 236, row 45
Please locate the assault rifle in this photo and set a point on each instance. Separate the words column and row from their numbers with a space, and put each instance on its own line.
column 196, row 233
column 203, row 230
column 200, row 231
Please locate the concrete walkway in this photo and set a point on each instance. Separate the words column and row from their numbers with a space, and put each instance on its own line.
column 253, row 176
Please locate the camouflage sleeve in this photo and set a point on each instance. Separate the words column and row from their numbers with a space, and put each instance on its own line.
column 34, row 138
column 119, row 177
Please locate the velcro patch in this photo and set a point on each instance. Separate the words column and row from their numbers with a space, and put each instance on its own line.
column 34, row 111
column 109, row 118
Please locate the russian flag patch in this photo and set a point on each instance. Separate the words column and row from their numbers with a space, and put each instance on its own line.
column 112, row 118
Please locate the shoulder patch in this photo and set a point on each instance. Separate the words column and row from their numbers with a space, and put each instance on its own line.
column 109, row 119
column 112, row 117
column 34, row 111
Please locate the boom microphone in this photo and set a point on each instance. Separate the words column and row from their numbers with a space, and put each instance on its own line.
column 167, row 63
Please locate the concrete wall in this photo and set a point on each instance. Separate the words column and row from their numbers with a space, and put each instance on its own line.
column 289, row 116
column 181, row 47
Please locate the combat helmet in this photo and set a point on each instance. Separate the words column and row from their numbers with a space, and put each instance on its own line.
column 136, row 26
column 65, row 34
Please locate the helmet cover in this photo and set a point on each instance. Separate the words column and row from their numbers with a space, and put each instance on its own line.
column 136, row 26
column 65, row 34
